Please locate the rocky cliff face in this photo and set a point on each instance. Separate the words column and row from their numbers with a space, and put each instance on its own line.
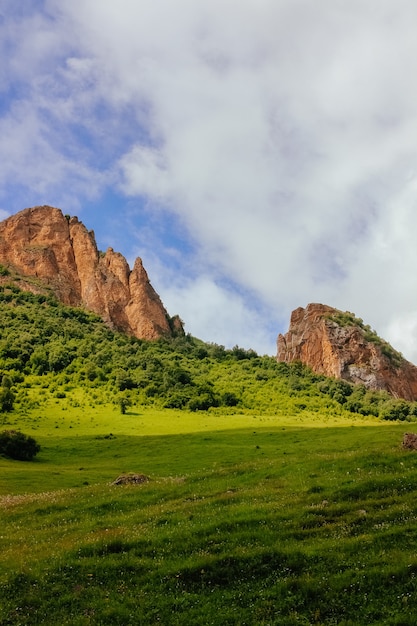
column 61, row 253
column 338, row 344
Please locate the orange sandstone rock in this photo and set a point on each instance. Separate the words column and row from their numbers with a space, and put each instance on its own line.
column 42, row 243
column 339, row 345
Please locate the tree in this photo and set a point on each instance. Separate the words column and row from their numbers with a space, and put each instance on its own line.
column 124, row 403
column 6, row 395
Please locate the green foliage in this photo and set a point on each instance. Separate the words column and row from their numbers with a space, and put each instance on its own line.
column 356, row 398
column 55, row 345
column 6, row 400
column 124, row 403
column 229, row 399
column 397, row 410
column 340, row 390
column 18, row 446
column 6, row 382
column 7, row 397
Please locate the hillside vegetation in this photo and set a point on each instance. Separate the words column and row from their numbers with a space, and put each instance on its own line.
column 275, row 496
column 45, row 345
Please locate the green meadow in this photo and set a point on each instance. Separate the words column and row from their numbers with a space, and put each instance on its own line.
column 246, row 519
column 275, row 496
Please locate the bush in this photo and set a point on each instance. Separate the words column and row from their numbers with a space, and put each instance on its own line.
column 6, row 395
column 177, row 400
column 396, row 410
column 17, row 445
column 229, row 399
column 203, row 401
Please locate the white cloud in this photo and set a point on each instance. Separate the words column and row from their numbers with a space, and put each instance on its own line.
column 402, row 332
column 282, row 135
column 216, row 314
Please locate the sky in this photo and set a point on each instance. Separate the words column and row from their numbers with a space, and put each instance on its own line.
column 257, row 155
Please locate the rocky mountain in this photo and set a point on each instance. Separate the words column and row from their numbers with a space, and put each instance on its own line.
column 47, row 249
column 338, row 344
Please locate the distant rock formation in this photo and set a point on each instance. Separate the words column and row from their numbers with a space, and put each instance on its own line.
column 59, row 252
column 338, row 344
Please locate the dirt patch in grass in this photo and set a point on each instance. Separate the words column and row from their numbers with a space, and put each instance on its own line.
column 131, row 479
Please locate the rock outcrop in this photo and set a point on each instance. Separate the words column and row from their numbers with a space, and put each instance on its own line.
column 131, row 479
column 410, row 441
column 57, row 251
column 338, row 344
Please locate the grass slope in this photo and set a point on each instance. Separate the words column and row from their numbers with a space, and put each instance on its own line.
column 279, row 504
column 270, row 524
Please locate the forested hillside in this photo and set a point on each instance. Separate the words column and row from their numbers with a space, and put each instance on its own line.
column 50, row 350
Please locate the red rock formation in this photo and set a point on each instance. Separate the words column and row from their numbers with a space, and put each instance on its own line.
column 337, row 344
column 62, row 254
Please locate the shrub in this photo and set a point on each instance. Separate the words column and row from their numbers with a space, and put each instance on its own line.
column 203, row 401
column 177, row 400
column 396, row 410
column 6, row 395
column 229, row 399
column 17, row 445
column 176, row 377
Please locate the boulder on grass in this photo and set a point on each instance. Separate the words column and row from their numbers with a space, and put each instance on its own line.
column 410, row 441
column 131, row 479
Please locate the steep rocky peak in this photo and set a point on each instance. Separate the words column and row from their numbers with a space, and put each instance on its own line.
column 60, row 252
column 338, row 344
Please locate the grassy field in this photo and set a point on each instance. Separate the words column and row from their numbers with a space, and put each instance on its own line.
column 247, row 519
column 275, row 495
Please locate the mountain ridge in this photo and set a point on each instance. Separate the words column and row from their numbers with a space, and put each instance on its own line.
column 61, row 254
column 44, row 251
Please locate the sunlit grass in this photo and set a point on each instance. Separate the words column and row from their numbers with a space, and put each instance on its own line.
column 247, row 519
column 83, row 445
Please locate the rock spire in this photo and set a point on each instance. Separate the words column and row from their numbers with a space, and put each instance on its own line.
column 57, row 251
